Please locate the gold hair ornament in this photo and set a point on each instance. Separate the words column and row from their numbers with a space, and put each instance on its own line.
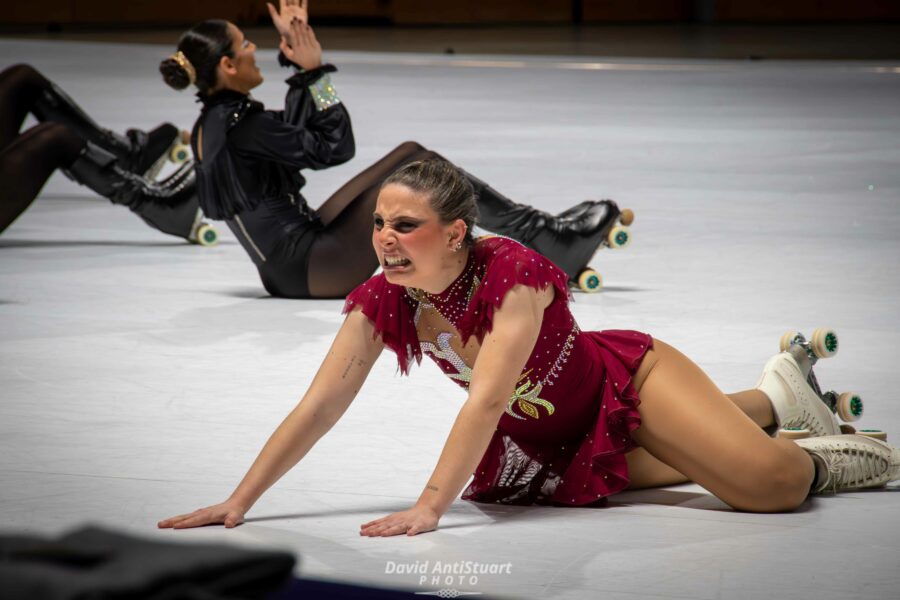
column 185, row 64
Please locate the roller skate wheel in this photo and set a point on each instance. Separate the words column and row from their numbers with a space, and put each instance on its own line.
column 794, row 433
column 179, row 154
column 207, row 235
column 849, row 407
column 789, row 339
column 626, row 217
column 873, row 433
column 590, row 281
column 824, row 342
column 618, row 237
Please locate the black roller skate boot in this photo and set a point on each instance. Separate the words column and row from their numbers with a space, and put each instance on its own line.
column 577, row 211
column 569, row 240
column 140, row 152
column 170, row 205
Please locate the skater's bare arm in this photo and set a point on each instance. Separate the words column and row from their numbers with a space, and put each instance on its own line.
column 334, row 387
column 499, row 364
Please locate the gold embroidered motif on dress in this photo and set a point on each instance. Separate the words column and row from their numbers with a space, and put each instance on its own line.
column 525, row 396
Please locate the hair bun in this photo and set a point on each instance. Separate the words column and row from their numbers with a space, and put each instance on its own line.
column 174, row 74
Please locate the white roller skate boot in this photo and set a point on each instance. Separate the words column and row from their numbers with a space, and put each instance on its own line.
column 795, row 403
column 852, row 462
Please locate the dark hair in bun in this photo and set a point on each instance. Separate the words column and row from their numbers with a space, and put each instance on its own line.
column 175, row 76
column 203, row 45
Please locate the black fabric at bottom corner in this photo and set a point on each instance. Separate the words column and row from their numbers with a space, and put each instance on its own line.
column 98, row 563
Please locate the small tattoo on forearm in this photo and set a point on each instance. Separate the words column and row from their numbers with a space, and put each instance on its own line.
column 433, row 488
column 349, row 365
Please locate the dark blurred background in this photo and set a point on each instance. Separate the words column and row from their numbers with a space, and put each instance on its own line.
column 853, row 29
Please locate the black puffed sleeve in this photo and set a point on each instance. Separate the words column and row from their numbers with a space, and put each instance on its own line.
column 312, row 132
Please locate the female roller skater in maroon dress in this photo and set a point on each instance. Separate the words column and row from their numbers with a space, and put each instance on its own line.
column 554, row 414
column 249, row 163
column 118, row 167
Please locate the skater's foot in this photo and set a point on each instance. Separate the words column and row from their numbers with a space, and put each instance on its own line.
column 795, row 403
column 150, row 149
column 852, row 462
column 570, row 243
column 577, row 211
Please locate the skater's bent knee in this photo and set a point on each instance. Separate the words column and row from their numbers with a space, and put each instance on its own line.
column 409, row 147
column 20, row 70
column 777, row 480
column 772, row 502
column 22, row 74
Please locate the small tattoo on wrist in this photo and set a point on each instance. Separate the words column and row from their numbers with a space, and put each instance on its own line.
column 433, row 488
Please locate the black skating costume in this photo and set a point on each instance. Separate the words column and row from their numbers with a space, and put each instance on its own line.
column 249, row 163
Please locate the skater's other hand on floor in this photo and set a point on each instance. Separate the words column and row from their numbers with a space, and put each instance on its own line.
column 418, row 519
column 226, row 513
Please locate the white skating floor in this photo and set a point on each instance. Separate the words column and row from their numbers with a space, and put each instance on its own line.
column 140, row 374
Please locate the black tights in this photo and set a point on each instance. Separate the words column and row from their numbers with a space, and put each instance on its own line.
column 28, row 159
column 342, row 257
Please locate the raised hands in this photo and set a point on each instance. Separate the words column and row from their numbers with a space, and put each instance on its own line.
column 227, row 513
column 287, row 12
column 418, row 519
column 301, row 47
column 298, row 42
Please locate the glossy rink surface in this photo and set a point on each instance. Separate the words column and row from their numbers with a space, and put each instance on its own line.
column 140, row 375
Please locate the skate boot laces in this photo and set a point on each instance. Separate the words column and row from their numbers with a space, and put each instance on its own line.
column 854, row 461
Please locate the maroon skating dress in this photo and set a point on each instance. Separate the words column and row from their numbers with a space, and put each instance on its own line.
column 567, row 426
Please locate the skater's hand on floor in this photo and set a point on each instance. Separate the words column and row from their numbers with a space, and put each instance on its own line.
column 418, row 519
column 227, row 513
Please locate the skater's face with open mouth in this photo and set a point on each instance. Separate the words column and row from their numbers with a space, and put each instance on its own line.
column 414, row 247
column 239, row 71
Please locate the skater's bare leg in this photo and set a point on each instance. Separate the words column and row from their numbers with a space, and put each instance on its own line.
column 647, row 471
column 755, row 405
column 690, row 425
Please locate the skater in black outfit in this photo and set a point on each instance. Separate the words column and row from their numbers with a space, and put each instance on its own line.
column 115, row 166
column 249, row 162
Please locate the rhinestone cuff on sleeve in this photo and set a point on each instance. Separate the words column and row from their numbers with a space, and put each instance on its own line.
column 323, row 93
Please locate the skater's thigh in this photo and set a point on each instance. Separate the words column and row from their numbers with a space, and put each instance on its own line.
column 683, row 411
column 690, row 425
